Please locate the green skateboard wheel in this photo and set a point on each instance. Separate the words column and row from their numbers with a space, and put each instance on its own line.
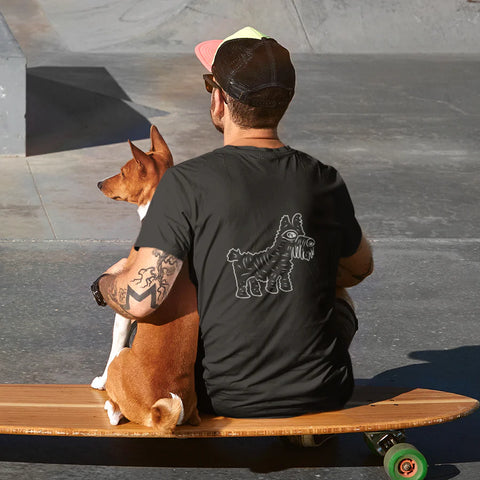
column 404, row 461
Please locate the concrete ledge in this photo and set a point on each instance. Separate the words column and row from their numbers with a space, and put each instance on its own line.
column 12, row 93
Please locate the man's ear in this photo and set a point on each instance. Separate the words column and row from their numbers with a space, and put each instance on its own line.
column 218, row 104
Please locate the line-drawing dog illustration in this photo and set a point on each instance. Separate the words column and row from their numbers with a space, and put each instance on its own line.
column 273, row 265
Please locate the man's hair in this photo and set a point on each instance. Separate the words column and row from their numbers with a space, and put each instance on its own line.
column 246, row 116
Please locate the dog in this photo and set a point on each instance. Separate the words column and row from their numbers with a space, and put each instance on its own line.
column 152, row 383
column 273, row 265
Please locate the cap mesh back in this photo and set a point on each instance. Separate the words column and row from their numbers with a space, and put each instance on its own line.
column 245, row 66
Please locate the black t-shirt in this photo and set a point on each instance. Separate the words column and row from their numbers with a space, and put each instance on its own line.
column 264, row 230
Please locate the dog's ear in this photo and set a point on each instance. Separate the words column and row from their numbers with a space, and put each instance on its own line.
column 297, row 222
column 140, row 157
column 160, row 146
column 285, row 222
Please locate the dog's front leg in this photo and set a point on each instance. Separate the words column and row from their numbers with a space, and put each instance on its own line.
column 121, row 330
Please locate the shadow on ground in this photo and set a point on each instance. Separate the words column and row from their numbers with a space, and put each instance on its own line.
column 76, row 107
column 261, row 455
column 453, row 370
column 265, row 454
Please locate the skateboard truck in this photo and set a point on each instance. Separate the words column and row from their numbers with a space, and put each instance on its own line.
column 381, row 442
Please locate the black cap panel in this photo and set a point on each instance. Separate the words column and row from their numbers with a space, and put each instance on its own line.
column 245, row 66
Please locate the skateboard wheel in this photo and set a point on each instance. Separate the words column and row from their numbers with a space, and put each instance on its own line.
column 404, row 461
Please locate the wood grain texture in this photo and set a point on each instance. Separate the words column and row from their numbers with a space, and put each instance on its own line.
column 77, row 410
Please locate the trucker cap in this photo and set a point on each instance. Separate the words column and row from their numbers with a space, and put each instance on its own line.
column 246, row 63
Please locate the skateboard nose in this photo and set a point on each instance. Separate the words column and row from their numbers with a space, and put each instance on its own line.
column 100, row 185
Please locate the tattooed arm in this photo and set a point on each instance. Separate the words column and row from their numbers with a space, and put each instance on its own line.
column 135, row 288
column 352, row 270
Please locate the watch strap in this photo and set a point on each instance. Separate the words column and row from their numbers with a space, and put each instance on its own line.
column 96, row 291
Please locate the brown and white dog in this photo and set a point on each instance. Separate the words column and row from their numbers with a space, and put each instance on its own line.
column 152, row 383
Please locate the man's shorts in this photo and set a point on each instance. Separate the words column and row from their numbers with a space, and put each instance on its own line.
column 345, row 323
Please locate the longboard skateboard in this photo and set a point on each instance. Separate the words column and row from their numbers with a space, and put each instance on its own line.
column 380, row 413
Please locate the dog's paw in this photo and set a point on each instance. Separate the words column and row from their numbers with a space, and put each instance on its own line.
column 114, row 415
column 98, row 383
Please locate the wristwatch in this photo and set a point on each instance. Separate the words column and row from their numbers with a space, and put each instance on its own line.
column 97, row 295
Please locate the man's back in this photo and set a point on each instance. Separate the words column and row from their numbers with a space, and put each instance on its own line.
column 265, row 229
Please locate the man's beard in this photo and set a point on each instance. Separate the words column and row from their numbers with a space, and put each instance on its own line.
column 216, row 122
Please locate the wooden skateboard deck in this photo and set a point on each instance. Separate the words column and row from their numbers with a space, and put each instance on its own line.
column 78, row 410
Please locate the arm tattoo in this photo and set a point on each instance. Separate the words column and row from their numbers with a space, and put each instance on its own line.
column 115, row 296
column 131, row 293
column 152, row 282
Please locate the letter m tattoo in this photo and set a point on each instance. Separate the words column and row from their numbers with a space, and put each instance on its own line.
column 151, row 292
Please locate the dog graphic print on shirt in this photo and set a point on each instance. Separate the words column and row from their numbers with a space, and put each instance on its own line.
column 273, row 265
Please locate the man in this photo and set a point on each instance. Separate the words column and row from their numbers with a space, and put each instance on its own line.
column 272, row 240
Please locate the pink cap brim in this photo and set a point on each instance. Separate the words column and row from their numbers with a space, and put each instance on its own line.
column 206, row 51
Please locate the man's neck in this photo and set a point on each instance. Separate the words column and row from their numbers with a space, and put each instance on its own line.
column 252, row 137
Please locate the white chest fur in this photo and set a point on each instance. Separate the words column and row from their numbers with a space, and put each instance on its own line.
column 142, row 210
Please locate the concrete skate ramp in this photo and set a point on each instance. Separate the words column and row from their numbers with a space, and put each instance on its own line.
column 321, row 26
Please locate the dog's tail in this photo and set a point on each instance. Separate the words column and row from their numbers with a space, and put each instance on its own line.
column 166, row 413
column 233, row 255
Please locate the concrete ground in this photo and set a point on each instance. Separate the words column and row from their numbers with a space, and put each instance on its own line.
column 404, row 132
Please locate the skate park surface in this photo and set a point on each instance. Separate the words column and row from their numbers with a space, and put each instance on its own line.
column 401, row 127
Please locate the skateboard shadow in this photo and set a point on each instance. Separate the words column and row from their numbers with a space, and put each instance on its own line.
column 77, row 107
column 455, row 371
column 219, row 458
